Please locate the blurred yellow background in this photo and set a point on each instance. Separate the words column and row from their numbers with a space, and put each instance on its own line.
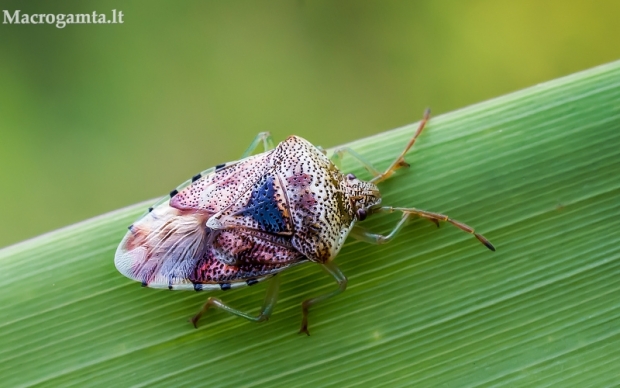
column 97, row 117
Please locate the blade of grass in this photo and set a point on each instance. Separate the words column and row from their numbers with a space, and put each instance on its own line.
column 535, row 171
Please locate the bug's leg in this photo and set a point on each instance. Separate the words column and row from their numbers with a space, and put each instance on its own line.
column 362, row 234
column 335, row 272
column 400, row 160
column 341, row 151
column 265, row 312
column 263, row 138
column 321, row 150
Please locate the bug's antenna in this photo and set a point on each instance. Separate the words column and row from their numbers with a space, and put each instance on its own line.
column 400, row 161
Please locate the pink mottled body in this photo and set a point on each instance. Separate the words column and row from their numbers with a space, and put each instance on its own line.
column 245, row 221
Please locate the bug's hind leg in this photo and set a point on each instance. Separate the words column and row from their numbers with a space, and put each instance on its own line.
column 263, row 138
column 265, row 312
column 362, row 234
column 400, row 160
column 333, row 270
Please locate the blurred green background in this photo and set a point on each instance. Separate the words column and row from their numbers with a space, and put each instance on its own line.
column 97, row 117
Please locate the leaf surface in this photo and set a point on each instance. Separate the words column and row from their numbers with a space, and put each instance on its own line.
column 536, row 171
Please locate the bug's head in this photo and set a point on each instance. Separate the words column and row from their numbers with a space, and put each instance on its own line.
column 363, row 196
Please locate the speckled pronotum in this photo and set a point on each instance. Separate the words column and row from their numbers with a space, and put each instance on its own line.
column 246, row 221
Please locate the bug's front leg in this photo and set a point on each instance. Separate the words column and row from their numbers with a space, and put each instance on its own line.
column 362, row 234
column 333, row 270
column 263, row 138
column 339, row 153
column 265, row 312
column 399, row 162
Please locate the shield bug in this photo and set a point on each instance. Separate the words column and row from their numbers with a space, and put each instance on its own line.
column 243, row 222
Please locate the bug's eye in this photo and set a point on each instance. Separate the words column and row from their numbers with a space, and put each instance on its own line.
column 350, row 176
column 361, row 214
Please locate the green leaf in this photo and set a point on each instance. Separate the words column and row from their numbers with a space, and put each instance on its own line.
column 537, row 172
